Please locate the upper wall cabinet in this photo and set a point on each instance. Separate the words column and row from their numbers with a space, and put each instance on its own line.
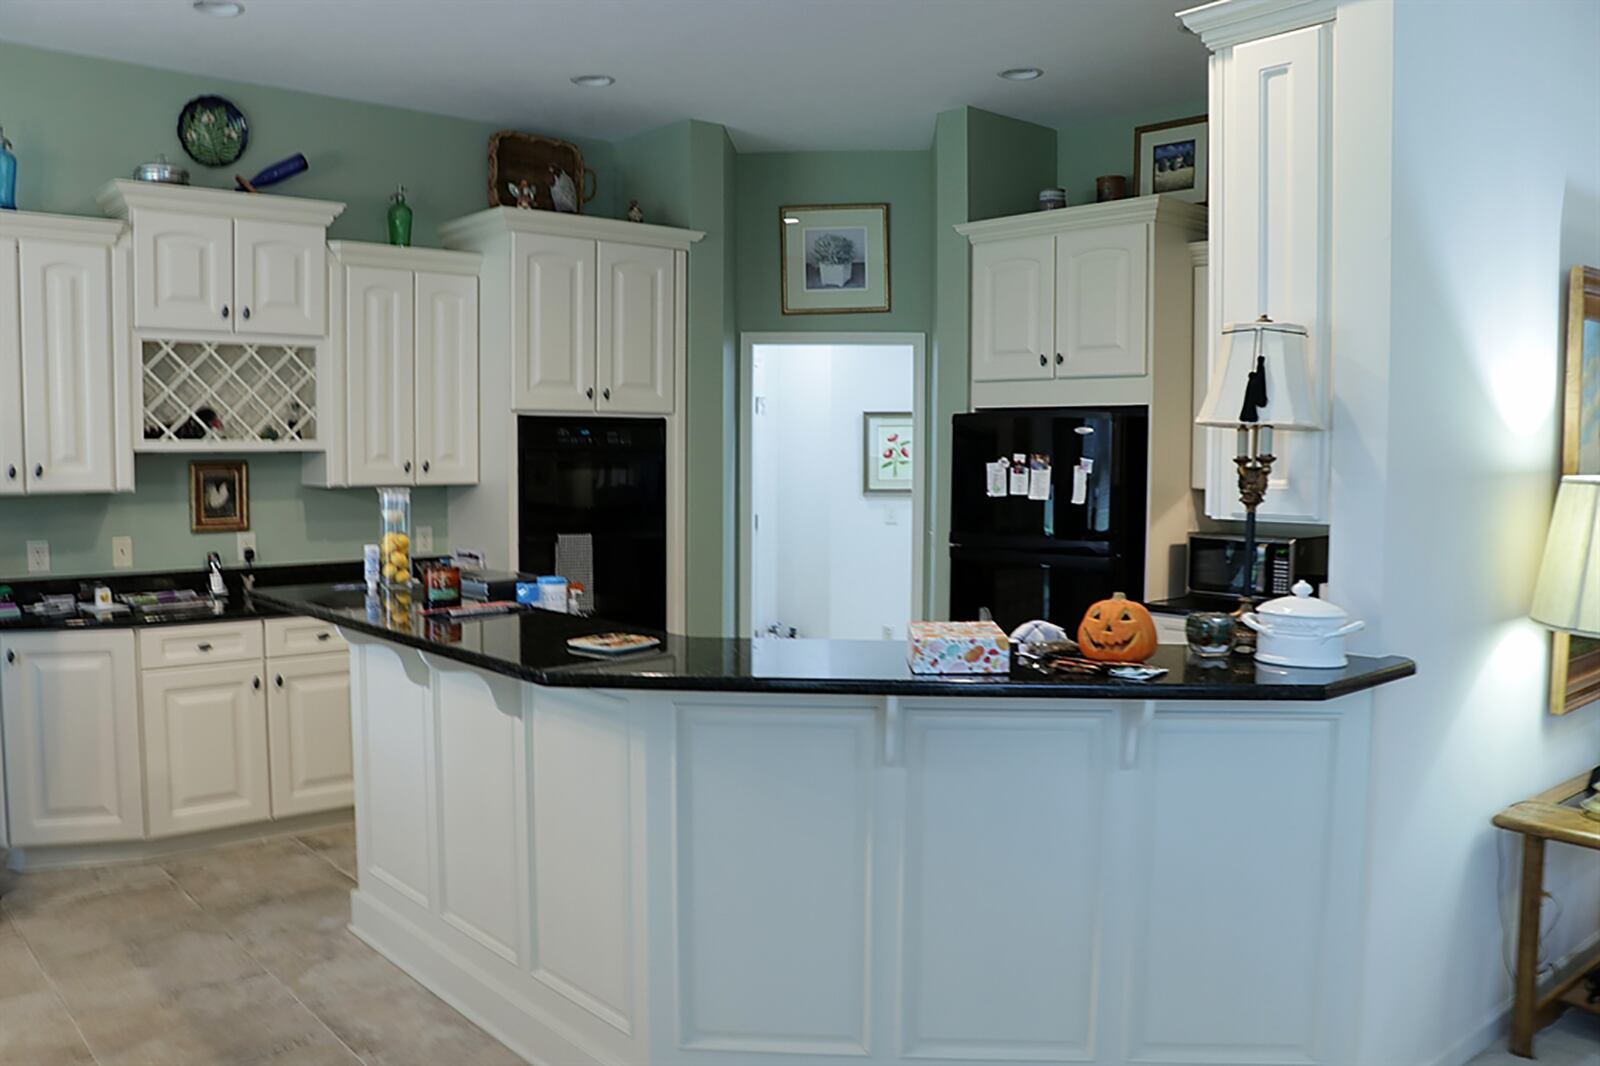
column 636, row 328
column 216, row 262
column 64, row 426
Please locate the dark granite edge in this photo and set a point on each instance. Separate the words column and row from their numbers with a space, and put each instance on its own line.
column 592, row 675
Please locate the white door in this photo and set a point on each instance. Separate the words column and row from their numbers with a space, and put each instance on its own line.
column 637, row 301
column 447, row 379
column 70, row 703
column 379, row 337
column 205, row 747
column 67, row 367
column 308, row 723
column 11, row 457
column 280, row 278
column 1101, row 286
column 1274, row 140
column 1013, row 309
column 553, row 327
column 182, row 272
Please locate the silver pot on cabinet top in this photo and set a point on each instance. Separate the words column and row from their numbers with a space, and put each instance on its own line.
column 161, row 172
column 1299, row 630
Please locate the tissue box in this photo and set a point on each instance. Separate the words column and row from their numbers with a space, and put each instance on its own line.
column 959, row 648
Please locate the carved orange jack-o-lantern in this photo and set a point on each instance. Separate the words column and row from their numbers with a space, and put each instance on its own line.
column 1117, row 631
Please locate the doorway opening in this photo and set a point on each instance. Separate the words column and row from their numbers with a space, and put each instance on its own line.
column 832, row 485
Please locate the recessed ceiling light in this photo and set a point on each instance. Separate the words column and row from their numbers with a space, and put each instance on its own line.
column 223, row 9
column 1021, row 73
column 594, row 81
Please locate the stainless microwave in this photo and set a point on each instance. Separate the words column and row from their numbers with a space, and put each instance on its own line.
column 1216, row 563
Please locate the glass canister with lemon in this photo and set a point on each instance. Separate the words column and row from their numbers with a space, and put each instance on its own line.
column 394, row 546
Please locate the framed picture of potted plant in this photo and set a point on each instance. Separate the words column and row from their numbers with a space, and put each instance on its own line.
column 835, row 258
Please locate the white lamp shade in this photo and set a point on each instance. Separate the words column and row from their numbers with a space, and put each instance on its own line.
column 1292, row 401
column 1568, row 594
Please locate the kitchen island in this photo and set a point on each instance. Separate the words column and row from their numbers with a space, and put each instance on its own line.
column 772, row 852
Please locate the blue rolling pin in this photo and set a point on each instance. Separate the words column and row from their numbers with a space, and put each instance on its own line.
column 279, row 171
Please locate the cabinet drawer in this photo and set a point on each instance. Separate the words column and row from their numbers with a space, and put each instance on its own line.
column 183, row 645
column 302, row 636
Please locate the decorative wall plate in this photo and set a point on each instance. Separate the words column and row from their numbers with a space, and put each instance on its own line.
column 212, row 131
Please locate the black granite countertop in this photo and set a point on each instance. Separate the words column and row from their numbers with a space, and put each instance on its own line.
column 531, row 645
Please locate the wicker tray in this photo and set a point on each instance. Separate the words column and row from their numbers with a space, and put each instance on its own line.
column 515, row 157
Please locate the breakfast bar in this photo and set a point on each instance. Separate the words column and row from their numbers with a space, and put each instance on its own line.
column 784, row 848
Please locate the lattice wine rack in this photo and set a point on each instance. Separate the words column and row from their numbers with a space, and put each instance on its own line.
column 204, row 395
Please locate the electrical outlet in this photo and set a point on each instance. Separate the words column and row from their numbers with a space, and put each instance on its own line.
column 422, row 543
column 247, row 541
column 122, row 553
column 38, row 557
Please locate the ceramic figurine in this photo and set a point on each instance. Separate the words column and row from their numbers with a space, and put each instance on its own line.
column 563, row 193
column 8, row 175
column 521, row 191
column 399, row 218
column 635, row 212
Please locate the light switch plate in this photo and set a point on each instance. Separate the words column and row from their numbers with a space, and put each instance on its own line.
column 422, row 543
column 122, row 553
column 248, row 540
column 38, row 557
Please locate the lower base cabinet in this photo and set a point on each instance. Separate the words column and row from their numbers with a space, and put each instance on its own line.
column 205, row 746
column 308, row 725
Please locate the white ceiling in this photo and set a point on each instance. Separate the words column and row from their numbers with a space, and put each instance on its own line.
column 780, row 74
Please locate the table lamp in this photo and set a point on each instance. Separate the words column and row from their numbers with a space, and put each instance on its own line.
column 1567, row 596
column 1263, row 382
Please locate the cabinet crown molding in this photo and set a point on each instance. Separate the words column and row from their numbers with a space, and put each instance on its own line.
column 19, row 224
column 1224, row 23
column 1159, row 209
column 482, row 226
column 121, row 197
column 1200, row 253
column 388, row 256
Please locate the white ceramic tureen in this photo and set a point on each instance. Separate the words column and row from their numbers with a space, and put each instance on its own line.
column 1300, row 630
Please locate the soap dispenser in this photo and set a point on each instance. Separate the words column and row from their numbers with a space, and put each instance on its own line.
column 8, row 175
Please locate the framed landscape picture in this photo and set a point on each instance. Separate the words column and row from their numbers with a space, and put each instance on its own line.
column 1170, row 158
column 835, row 258
column 889, row 458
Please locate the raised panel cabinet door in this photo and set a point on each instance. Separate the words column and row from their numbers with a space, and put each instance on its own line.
column 308, row 731
column 447, row 379
column 67, row 367
column 379, row 353
column 205, row 747
column 11, row 456
column 1013, row 309
column 1273, row 248
column 70, row 703
column 280, row 272
column 635, row 331
column 1101, row 310
column 182, row 272
column 553, row 325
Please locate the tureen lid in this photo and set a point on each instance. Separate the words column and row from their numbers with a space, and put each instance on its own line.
column 161, row 171
column 1302, row 605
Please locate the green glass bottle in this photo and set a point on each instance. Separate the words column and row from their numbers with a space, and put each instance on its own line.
column 399, row 219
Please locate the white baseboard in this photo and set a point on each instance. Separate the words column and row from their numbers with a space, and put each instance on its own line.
column 27, row 859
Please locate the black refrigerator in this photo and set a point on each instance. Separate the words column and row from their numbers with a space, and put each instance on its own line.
column 592, row 507
column 1025, row 558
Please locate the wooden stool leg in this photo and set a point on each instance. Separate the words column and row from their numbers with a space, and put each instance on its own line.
column 1525, row 1007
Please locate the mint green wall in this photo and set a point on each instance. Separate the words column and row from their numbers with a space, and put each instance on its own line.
column 292, row 524
column 1008, row 162
column 770, row 180
column 1104, row 145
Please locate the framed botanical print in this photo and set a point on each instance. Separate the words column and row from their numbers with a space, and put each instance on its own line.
column 1170, row 158
column 1574, row 660
column 835, row 258
column 219, row 497
column 889, row 460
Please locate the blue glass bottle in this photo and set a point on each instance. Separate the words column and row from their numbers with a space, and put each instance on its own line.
column 8, row 175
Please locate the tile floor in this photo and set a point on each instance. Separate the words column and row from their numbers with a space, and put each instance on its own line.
column 235, row 955
column 1574, row 1040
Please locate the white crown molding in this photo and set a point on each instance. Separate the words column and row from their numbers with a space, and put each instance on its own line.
column 1159, row 209
column 1224, row 23
column 391, row 257
column 122, row 197
column 36, row 224
column 476, row 229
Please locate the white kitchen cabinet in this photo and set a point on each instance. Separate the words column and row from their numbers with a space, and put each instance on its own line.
column 183, row 272
column 1101, row 306
column 11, row 454
column 636, row 302
column 1013, row 309
column 380, row 354
column 280, row 278
column 1271, row 181
column 1200, row 455
column 69, row 424
column 205, row 745
column 446, row 379
column 553, row 323
column 70, row 705
column 308, row 722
